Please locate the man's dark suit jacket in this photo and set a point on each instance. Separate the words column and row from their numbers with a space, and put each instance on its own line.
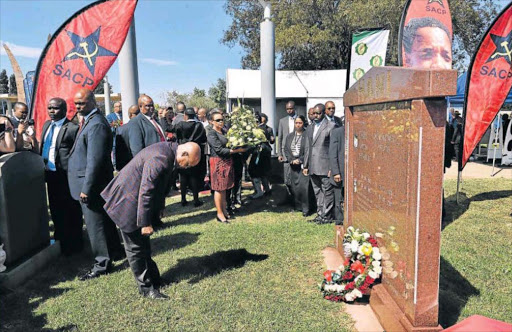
column 337, row 121
column 134, row 195
column 63, row 144
column 123, row 152
column 90, row 166
column 337, row 154
column 142, row 134
column 190, row 131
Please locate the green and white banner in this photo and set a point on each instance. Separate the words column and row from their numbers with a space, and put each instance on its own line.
column 368, row 50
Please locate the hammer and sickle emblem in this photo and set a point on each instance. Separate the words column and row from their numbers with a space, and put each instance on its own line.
column 87, row 55
column 508, row 52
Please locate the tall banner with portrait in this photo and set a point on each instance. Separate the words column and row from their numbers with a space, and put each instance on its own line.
column 425, row 35
column 368, row 50
column 80, row 53
column 489, row 81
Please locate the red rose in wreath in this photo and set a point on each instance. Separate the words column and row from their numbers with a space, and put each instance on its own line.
column 357, row 266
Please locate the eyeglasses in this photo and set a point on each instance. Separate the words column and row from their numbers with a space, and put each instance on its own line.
column 317, row 113
column 54, row 108
column 219, row 120
column 290, row 108
column 80, row 103
column 331, row 108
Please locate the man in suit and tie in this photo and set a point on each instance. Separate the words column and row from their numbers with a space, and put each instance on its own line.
column 330, row 108
column 337, row 160
column 123, row 154
column 286, row 126
column 89, row 171
column 117, row 115
column 57, row 139
column 130, row 202
column 318, row 166
column 145, row 130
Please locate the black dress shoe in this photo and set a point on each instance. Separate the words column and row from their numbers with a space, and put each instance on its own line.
column 184, row 203
column 155, row 295
column 91, row 275
column 198, row 203
column 222, row 221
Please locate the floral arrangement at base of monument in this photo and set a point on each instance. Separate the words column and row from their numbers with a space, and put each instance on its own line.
column 244, row 130
column 359, row 271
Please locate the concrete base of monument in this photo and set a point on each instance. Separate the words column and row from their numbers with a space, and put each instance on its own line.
column 390, row 315
column 363, row 316
column 18, row 274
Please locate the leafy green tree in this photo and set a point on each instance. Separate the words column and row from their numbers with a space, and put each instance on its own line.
column 13, row 90
column 217, row 93
column 316, row 34
column 4, row 82
column 100, row 89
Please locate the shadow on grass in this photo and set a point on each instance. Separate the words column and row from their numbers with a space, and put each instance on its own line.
column 173, row 242
column 454, row 293
column 454, row 210
column 195, row 269
column 18, row 306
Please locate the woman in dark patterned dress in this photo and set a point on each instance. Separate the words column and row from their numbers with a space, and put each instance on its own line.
column 221, row 165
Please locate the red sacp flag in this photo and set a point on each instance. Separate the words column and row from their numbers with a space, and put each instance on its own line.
column 489, row 81
column 79, row 54
column 418, row 20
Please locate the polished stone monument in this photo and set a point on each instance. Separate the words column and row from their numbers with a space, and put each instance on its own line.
column 24, row 228
column 395, row 122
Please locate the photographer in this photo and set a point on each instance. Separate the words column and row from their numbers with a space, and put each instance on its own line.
column 24, row 129
column 7, row 142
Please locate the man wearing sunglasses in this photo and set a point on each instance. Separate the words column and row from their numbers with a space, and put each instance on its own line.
column 57, row 139
column 330, row 108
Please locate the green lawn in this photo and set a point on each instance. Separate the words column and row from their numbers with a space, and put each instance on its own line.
column 260, row 273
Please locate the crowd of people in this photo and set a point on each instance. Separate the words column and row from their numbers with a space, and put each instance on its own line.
column 153, row 153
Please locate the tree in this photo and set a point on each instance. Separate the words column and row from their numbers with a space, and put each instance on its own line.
column 316, row 34
column 13, row 90
column 197, row 98
column 100, row 89
column 4, row 82
column 217, row 93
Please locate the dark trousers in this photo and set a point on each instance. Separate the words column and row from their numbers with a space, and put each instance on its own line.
column 324, row 195
column 193, row 179
column 102, row 232
column 339, row 200
column 66, row 213
column 138, row 253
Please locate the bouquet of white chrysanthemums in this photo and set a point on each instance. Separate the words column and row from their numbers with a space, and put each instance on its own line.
column 244, row 130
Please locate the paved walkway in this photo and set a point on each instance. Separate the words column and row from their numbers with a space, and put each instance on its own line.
column 479, row 170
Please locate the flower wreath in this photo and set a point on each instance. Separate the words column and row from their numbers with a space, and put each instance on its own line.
column 359, row 271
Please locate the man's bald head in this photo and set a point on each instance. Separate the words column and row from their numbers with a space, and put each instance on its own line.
column 84, row 101
column 133, row 111
column 146, row 105
column 188, row 155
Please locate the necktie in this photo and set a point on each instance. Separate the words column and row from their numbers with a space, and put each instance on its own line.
column 80, row 126
column 162, row 138
column 48, row 143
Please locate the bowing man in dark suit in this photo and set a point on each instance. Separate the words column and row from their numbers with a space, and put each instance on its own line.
column 191, row 130
column 145, row 130
column 337, row 160
column 130, row 200
column 330, row 108
column 317, row 165
column 123, row 154
column 89, row 171
column 57, row 139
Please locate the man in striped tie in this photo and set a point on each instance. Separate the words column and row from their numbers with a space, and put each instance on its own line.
column 57, row 139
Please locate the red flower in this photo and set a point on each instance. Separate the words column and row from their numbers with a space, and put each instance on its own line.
column 328, row 275
column 346, row 262
column 350, row 286
column 373, row 242
column 348, row 276
column 369, row 280
column 357, row 266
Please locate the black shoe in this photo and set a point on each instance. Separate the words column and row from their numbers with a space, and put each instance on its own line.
column 155, row 295
column 316, row 219
column 91, row 275
column 325, row 221
column 184, row 203
column 222, row 221
column 198, row 203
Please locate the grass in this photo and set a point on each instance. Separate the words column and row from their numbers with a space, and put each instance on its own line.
column 261, row 272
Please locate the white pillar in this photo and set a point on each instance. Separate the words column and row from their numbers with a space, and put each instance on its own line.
column 267, row 55
column 9, row 108
column 107, row 95
column 128, row 72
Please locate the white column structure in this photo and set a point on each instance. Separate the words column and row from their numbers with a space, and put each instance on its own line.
column 106, row 90
column 267, row 56
column 128, row 72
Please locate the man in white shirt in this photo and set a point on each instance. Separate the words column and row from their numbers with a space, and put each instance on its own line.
column 57, row 139
column 286, row 126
